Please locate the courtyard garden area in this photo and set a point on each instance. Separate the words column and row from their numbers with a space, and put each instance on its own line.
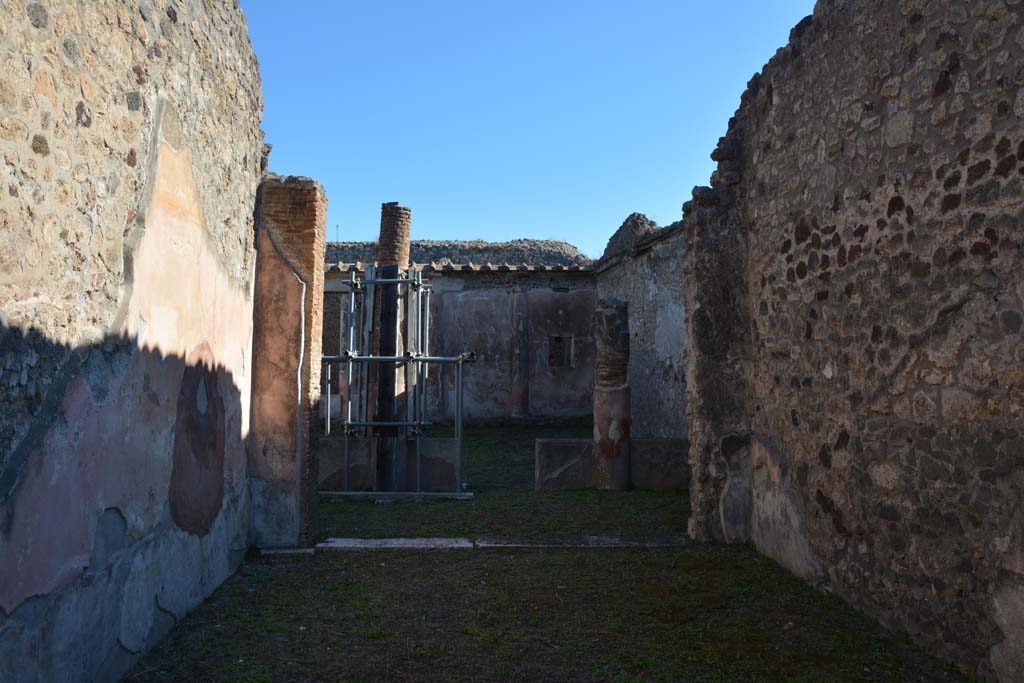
column 670, row 611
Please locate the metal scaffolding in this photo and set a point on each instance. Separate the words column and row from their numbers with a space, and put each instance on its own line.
column 417, row 361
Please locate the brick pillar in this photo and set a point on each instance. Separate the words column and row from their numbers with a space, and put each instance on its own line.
column 393, row 242
column 291, row 217
column 392, row 258
column 611, row 396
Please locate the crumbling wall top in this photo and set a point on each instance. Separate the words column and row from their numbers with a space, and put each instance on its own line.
column 635, row 228
column 442, row 253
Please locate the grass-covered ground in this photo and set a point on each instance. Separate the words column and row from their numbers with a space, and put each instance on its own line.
column 706, row 613
column 687, row 613
column 499, row 471
column 631, row 516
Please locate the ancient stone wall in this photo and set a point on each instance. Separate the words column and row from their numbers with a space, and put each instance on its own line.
column 516, row 252
column 131, row 146
column 647, row 274
column 636, row 228
column 855, row 297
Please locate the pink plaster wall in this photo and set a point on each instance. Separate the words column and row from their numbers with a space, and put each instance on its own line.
column 112, row 443
column 278, row 336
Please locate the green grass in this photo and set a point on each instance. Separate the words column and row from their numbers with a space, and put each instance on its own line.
column 701, row 613
column 561, row 516
column 499, row 470
column 500, row 457
column 694, row 612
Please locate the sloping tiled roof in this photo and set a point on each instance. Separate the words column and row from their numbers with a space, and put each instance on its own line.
column 523, row 251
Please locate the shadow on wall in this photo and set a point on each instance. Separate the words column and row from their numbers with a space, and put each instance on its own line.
column 123, row 499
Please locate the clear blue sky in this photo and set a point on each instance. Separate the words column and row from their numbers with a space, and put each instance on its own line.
column 496, row 120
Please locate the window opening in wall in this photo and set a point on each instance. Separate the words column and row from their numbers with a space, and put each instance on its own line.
column 560, row 353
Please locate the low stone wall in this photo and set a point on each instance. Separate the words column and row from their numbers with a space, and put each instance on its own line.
column 854, row 303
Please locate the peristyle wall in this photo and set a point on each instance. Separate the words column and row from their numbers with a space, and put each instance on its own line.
column 509, row 318
column 131, row 146
column 855, row 296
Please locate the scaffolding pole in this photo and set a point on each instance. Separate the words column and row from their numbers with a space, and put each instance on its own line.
column 416, row 360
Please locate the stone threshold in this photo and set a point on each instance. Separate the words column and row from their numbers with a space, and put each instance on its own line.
column 483, row 543
column 388, row 496
column 287, row 551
